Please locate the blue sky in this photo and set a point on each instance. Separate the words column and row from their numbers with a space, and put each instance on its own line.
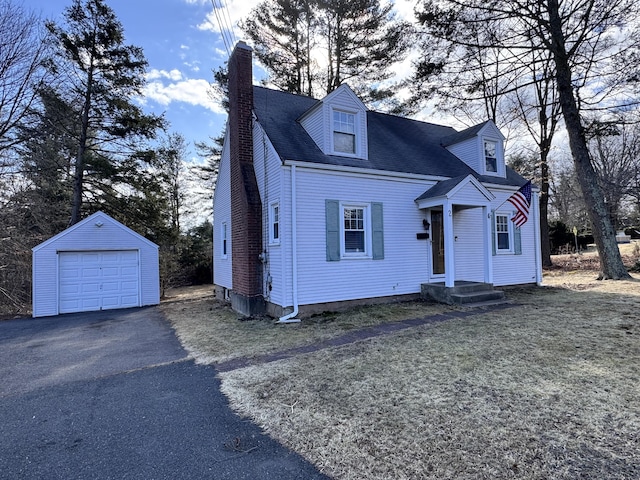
column 182, row 45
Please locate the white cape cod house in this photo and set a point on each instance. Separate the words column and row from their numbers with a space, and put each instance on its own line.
column 324, row 201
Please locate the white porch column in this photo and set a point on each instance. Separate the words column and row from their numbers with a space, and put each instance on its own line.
column 488, row 248
column 449, row 253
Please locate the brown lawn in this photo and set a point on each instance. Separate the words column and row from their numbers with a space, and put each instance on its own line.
column 546, row 389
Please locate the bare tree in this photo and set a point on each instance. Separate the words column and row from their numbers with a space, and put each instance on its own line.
column 23, row 50
column 615, row 150
column 537, row 107
column 593, row 45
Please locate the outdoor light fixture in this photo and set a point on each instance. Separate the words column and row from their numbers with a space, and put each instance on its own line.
column 425, row 224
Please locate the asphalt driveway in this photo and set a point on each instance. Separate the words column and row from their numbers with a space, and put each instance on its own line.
column 112, row 395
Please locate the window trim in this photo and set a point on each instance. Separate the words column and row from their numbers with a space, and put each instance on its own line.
column 275, row 215
column 356, row 137
column 224, row 239
column 507, row 216
column 333, row 230
column 366, row 217
column 496, row 143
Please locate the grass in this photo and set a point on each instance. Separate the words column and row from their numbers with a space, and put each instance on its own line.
column 547, row 389
column 214, row 333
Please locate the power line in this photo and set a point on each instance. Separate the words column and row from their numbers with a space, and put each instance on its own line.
column 224, row 24
column 230, row 23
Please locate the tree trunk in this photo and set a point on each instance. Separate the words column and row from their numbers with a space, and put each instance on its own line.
column 545, row 247
column 78, row 178
column 611, row 265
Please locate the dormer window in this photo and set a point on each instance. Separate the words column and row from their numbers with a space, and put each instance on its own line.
column 344, row 132
column 490, row 156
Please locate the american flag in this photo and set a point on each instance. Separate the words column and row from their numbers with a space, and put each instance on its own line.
column 522, row 201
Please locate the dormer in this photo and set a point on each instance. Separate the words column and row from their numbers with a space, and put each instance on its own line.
column 481, row 147
column 338, row 124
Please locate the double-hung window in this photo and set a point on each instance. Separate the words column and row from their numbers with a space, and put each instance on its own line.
column 344, row 132
column 274, row 223
column 355, row 237
column 354, row 230
column 507, row 238
column 491, row 156
column 502, row 232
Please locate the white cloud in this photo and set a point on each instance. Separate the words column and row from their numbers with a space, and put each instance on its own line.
column 232, row 10
column 194, row 66
column 173, row 74
column 405, row 10
column 191, row 91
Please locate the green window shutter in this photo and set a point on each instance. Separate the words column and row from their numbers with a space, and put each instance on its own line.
column 332, row 214
column 377, row 231
column 493, row 232
column 517, row 241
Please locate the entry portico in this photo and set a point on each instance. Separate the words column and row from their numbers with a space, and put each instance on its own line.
column 456, row 247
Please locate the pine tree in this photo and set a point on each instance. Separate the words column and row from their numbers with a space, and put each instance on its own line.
column 101, row 75
column 311, row 47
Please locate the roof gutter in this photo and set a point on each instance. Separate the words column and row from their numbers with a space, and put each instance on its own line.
column 290, row 318
column 401, row 176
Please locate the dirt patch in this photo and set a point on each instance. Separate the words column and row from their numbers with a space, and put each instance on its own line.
column 589, row 261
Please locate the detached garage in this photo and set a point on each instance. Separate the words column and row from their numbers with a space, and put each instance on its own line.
column 97, row 264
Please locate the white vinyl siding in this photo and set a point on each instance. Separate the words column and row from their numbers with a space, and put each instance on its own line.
column 403, row 265
column 269, row 177
column 319, row 122
column 467, row 151
column 515, row 267
column 314, row 125
column 222, row 263
column 87, row 236
column 473, row 151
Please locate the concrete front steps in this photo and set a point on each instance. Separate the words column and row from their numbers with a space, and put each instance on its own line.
column 469, row 294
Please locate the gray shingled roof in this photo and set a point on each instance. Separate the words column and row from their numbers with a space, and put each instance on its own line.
column 465, row 134
column 441, row 188
column 396, row 144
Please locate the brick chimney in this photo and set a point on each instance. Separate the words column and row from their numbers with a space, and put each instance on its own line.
column 246, row 206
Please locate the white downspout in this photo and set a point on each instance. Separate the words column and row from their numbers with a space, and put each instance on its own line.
column 290, row 318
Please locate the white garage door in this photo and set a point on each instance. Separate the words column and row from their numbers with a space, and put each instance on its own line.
column 98, row 280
